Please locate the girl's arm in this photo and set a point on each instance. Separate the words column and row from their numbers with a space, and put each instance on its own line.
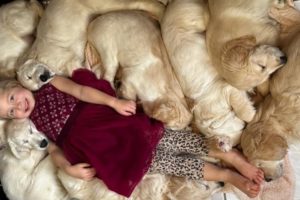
column 92, row 95
column 81, row 170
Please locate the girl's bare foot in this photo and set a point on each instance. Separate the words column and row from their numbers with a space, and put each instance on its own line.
column 240, row 163
column 248, row 187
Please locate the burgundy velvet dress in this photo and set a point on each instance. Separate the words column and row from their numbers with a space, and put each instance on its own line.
column 120, row 148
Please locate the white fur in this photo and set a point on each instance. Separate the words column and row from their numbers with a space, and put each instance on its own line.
column 61, row 34
column 18, row 22
column 218, row 108
column 26, row 172
column 131, row 43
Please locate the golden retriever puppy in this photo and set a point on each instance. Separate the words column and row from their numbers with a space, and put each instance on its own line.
column 131, row 42
column 18, row 22
column 26, row 171
column 61, row 34
column 276, row 125
column 218, row 108
column 240, row 41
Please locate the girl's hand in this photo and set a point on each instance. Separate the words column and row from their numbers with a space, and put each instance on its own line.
column 81, row 170
column 124, row 107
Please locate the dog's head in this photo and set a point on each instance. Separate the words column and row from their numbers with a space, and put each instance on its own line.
column 264, row 149
column 246, row 65
column 22, row 137
column 33, row 74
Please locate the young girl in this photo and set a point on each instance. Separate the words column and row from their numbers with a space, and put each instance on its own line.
column 109, row 138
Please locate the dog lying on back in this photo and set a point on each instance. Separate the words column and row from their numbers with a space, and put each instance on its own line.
column 276, row 126
column 241, row 40
column 130, row 42
column 18, row 22
column 60, row 42
column 26, row 170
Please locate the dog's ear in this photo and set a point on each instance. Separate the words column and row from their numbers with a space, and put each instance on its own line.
column 235, row 52
column 18, row 152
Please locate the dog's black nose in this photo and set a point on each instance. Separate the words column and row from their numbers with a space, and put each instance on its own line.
column 268, row 179
column 44, row 143
column 283, row 59
column 45, row 76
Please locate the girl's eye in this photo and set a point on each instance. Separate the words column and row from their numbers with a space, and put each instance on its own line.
column 11, row 113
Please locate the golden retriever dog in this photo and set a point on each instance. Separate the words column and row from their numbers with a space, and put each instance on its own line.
column 276, row 126
column 26, row 171
column 131, row 42
column 240, row 41
column 218, row 108
column 18, row 22
column 61, row 33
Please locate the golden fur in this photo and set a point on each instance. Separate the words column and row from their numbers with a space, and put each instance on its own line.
column 240, row 40
column 276, row 125
column 18, row 22
column 131, row 42
column 218, row 108
column 61, row 33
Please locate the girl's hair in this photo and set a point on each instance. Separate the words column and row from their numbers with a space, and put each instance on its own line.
column 8, row 83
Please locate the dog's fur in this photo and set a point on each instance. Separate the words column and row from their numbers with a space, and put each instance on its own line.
column 218, row 107
column 26, row 172
column 18, row 22
column 277, row 123
column 61, row 33
column 131, row 42
column 240, row 40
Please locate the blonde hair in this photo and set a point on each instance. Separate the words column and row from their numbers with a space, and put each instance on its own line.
column 9, row 83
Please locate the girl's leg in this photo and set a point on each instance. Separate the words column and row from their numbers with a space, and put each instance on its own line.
column 196, row 169
column 183, row 141
column 167, row 163
column 235, row 159
column 214, row 173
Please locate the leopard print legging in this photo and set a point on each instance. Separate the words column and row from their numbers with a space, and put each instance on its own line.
column 176, row 154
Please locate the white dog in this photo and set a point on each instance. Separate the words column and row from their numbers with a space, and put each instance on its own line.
column 26, row 172
column 18, row 22
column 131, row 42
column 61, row 34
column 218, row 108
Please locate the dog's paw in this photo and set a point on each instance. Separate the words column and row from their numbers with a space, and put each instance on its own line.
column 220, row 142
column 224, row 143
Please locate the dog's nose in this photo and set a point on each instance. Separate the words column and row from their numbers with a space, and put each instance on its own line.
column 45, row 76
column 267, row 179
column 283, row 59
column 44, row 143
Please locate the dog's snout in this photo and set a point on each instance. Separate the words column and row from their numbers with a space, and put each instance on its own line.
column 283, row 59
column 44, row 143
column 45, row 76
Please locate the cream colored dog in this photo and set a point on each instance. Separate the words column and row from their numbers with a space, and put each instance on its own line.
column 218, row 108
column 276, row 125
column 240, row 40
column 18, row 22
column 26, row 172
column 61, row 34
column 131, row 43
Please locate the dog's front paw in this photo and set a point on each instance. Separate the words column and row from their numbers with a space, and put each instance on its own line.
column 220, row 142
column 224, row 143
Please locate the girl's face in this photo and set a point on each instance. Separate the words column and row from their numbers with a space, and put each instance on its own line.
column 16, row 102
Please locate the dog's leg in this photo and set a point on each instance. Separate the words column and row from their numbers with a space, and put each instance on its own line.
column 241, row 105
column 127, row 91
